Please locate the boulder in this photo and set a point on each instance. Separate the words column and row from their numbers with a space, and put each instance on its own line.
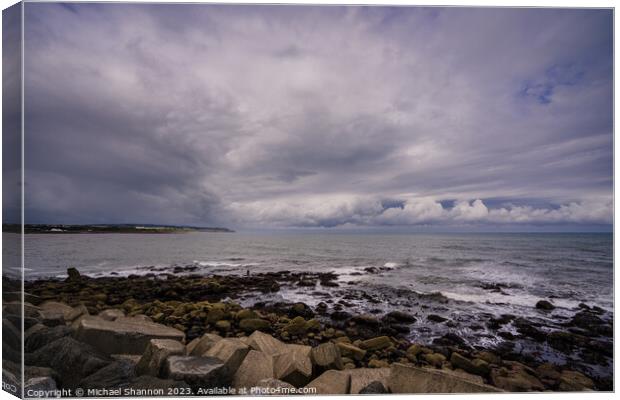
column 11, row 336
column 374, row 387
column 205, row 372
column 231, row 352
column 331, row 382
column 76, row 312
column 266, row 343
column 52, row 318
column 124, row 335
column 72, row 360
column 573, row 381
column 362, row 377
column 73, row 275
column 200, row 346
column 222, row 325
column 294, row 365
column 349, row 350
column 45, row 336
column 155, row 355
column 326, row 356
column 112, row 376
column 410, row 379
column 377, row 343
column 256, row 366
column 401, row 316
column 464, row 375
column 516, row 379
column 477, row 366
column 303, row 349
column 490, row 357
column 245, row 314
column 254, row 324
column 297, row 326
column 55, row 307
column 434, row 359
column 544, row 305
column 111, row 314
column 34, row 328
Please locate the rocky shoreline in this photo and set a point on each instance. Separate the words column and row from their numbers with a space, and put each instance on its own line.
column 185, row 332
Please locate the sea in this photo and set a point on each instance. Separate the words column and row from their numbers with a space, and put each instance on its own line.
column 465, row 278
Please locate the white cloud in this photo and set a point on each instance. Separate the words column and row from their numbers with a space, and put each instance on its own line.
column 330, row 211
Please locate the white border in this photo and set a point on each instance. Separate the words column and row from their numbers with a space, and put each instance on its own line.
column 479, row 3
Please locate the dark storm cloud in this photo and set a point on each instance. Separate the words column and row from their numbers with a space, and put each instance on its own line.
column 309, row 116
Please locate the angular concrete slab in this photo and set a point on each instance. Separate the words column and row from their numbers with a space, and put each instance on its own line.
column 129, row 336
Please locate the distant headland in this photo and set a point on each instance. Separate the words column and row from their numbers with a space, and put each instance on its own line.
column 109, row 228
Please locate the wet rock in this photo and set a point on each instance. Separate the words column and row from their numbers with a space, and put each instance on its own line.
column 331, row 382
column 73, row 275
column 544, row 305
column 340, row 315
column 231, row 352
column 205, row 372
column 563, row 341
column 401, row 316
column 410, row 379
column 366, row 320
column 200, row 346
column 527, row 328
column 362, row 377
column 326, row 356
column 571, row 381
column 123, row 336
column 450, row 339
column 112, row 376
column 256, row 366
column 266, row 343
column 436, row 318
column 45, row 336
column 111, row 314
column 250, row 325
column 300, row 310
column 378, row 343
column 374, row 387
column 155, row 355
column 294, row 366
column 349, row 350
column 72, row 360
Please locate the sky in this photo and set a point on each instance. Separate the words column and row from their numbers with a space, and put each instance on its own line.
column 319, row 117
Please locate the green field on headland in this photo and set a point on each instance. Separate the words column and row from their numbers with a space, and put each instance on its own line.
column 108, row 228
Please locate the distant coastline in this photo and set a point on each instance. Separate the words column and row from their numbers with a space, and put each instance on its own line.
column 109, row 228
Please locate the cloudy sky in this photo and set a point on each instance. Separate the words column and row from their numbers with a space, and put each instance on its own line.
column 273, row 116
